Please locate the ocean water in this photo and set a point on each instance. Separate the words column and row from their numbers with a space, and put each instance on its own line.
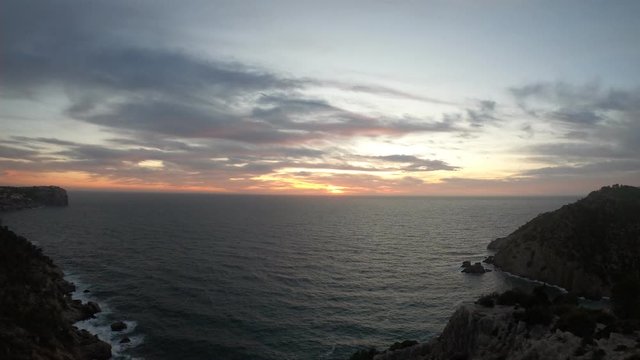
column 273, row 277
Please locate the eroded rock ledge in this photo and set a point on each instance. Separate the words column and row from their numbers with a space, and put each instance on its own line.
column 36, row 309
column 17, row 198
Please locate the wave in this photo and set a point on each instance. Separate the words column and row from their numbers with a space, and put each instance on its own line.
column 100, row 325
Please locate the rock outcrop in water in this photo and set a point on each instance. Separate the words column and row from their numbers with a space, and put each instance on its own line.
column 17, row 198
column 36, row 309
column 584, row 247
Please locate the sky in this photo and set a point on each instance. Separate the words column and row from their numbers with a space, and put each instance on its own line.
column 375, row 97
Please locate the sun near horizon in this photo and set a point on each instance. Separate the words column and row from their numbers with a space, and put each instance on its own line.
column 454, row 99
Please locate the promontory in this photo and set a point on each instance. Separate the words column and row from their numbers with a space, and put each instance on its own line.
column 17, row 198
column 584, row 247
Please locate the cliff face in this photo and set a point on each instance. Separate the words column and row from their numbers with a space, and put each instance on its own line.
column 481, row 333
column 583, row 247
column 36, row 309
column 16, row 198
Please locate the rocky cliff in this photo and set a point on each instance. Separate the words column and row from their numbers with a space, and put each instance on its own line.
column 36, row 309
column 583, row 247
column 504, row 327
column 16, row 198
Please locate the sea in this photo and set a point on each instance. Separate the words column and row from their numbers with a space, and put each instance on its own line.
column 273, row 277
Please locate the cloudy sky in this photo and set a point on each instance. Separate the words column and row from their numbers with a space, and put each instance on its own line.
column 321, row 97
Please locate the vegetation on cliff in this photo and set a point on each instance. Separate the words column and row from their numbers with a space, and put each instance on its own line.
column 585, row 247
column 518, row 325
column 36, row 309
column 591, row 247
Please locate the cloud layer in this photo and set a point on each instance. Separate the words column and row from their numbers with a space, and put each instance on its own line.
column 163, row 115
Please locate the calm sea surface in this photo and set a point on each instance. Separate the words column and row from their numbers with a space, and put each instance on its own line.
column 269, row 277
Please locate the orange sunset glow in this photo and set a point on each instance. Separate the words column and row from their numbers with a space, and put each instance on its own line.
column 359, row 109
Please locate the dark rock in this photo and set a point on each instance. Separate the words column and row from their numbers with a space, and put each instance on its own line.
column 584, row 247
column 476, row 268
column 91, row 308
column 488, row 260
column 402, row 345
column 17, row 198
column 125, row 340
column 67, row 287
column 36, row 309
column 90, row 347
column 86, row 291
column 466, row 264
column 118, row 326
column 77, row 311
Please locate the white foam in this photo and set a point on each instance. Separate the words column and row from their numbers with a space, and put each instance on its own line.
column 563, row 290
column 100, row 325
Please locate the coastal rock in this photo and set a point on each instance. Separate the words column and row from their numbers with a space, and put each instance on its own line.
column 488, row 333
column 488, row 260
column 476, row 268
column 17, row 198
column 77, row 311
column 125, row 340
column 583, row 247
column 92, row 308
column 118, row 326
column 36, row 309
column 90, row 347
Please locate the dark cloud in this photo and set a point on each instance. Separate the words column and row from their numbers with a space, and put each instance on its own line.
column 485, row 112
column 24, row 140
column 114, row 82
column 597, row 128
column 414, row 163
column 184, row 164
column 585, row 105
column 10, row 152
column 596, row 168
column 580, row 150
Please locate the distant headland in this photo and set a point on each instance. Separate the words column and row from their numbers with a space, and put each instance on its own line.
column 584, row 247
column 18, row 198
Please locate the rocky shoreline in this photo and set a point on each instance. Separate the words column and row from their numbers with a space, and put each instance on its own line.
column 514, row 325
column 591, row 248
column 37, row 312
column 584, row 247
